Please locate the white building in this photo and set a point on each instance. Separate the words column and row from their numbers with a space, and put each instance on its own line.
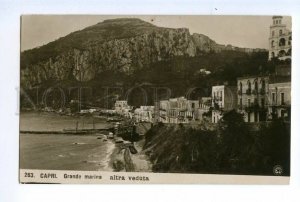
column 144, row 114
column 223, row 99
column 122, row 108
column 178, row 110
column 279, row 100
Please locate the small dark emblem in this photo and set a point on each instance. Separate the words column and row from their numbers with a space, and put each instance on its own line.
column 277, row 170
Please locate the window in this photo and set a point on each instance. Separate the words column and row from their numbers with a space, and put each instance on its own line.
column 255, row 117
column 249, row 102
column 262, row 102
column 241, row 102
column 248, row 91
column 221, row 95
column 273, row 98
column 256, row 86
column 272, row 43
column 249, row 85
column 273, row 54
column 193, row 105
column 281, row 53
column 282, row 113
column 280, row 32
column 282, row 98
column 263, row 84
column 282, row 42
column 273, row 33
column 241, row 87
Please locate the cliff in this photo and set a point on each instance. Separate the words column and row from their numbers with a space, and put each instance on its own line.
column 120, row 45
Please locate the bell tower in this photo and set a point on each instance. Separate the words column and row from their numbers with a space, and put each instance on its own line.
column 279, row 39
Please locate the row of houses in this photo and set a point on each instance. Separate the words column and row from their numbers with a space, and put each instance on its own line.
column 141, row 114
column 258, row 98
column 174, row 110
column 182, row 110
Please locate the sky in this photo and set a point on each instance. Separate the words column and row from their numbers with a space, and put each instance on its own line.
column 241, row 31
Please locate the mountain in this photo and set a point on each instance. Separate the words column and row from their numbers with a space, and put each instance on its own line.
column 124, row 45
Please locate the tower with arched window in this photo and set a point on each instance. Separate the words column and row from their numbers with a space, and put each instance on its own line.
column 280, row 40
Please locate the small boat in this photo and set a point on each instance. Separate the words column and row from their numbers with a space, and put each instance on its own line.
column 113, row 120
column 126, row 142
column 110, row 135
column 132, row 149
column 119, row 140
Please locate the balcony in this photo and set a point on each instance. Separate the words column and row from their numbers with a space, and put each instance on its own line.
column 254, row 107
column 280, row 104
column 216, row 99
column 251, row 108
column 254, row 92
column 262, row 91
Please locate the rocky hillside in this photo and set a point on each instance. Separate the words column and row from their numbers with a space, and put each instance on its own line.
column 121, row 45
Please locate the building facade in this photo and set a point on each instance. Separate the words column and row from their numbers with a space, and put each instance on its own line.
column 253, row 98
column 280, row 40
column 178, row 110
column 279, row 100
column 163, row 107
column 204, row 107
column 122, row 108
column 223, row 99
column 144, row 114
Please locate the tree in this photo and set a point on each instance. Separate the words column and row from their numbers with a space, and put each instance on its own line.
column 235, row 143
column 276, row 140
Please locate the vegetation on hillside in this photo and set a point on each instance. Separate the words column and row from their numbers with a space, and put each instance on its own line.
column 232, row 148
column 180, row 75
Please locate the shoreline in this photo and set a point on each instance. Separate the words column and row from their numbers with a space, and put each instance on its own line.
column 118, row 156
column 106, row 161
column 122, row 160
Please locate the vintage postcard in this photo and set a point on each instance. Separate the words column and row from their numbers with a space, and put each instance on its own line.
column 155, row 99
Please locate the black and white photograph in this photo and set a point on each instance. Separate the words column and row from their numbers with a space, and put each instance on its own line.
column 155, row 98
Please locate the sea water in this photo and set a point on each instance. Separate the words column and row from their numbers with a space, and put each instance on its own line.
column 62, row 152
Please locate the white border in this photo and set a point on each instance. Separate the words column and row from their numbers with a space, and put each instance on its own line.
column 10, row 190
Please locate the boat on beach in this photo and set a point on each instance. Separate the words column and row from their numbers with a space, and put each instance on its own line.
column 114, row 119
column 110, row 135
column 119, row 140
